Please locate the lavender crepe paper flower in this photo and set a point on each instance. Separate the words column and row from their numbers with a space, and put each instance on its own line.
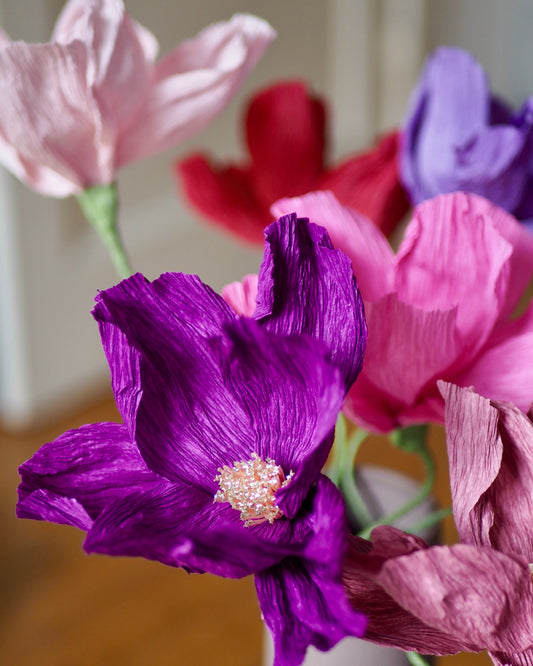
column 458, row 137
column 200, row 389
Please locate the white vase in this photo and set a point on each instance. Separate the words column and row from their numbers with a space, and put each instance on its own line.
column 385, row 491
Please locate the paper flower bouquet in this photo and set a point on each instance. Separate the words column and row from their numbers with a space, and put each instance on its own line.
column 233, row 456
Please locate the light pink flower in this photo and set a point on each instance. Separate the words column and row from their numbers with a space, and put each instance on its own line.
column 94, row 99
column 439, row 309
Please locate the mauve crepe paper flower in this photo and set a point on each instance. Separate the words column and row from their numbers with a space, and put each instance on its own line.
column 286, row 127
column 94, row 99
column 457, row 136
column 477, row 595
column 211, row 402
column 441, row 308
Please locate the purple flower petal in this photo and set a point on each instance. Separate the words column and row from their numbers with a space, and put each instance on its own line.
column 45, row 505
column 94, row 465
column 302, row 600
column 329, row 306
column 451, row 142
column 181, row 526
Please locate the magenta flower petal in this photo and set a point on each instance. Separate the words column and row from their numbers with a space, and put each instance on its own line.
column 219, row 410
column 448, row 258
column 503, row 371
column 440, row 309
column 299, row 253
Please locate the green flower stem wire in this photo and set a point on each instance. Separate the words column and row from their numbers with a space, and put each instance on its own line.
column 100, row 206
column 430, row 520
column 412, row 440
column 415, row 659
column 340, row 470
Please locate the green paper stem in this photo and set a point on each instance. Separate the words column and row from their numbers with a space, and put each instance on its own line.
column 336, row 462
column 415, row 659
column 100, row 207
column 430, row 520
column 348, row 486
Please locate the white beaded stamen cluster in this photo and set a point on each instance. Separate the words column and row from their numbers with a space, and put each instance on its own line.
column 250, row 486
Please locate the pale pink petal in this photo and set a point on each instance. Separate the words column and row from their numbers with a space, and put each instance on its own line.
column 240, row 296
column 4, row 38
column 371, row 255
column 74, row 22
column 193, row 83
column 490, row 447
column 504, row 368
column 408, row 349
column 452, row 256
column 53, row 142
column 120, row 57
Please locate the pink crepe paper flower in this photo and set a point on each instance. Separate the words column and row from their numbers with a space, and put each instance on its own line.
column 94, row 99
column 441, row 308
column 285, row 128
column 477, row 595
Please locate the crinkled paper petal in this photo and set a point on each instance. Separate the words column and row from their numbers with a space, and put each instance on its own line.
column 503, row 370
column 181, row 526
column 439, row 600
column 389, row 624
column 302, row 600
column 292, row 396
column 187, row 423
column 305, row 286
column 242, row 295
column 285, row 132
column 490, row 447
column 91, row 467
column 479, row 596
column 54, row 158
column 452, row 256
column 408, row 350
column 371, row 255
column 448, row 142
column 121, row 55
column 302, row 607
column 225, row 196
column 193, row 83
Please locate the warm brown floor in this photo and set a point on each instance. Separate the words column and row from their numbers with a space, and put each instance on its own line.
column 60, row 607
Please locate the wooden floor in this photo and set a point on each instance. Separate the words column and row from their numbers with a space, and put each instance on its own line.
column 60, row 607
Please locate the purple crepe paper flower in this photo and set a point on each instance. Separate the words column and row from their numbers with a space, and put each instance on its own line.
column 476, row 595
column 211, row 402
column 458, row 137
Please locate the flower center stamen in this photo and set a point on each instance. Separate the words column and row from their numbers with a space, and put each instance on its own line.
column 250, row 486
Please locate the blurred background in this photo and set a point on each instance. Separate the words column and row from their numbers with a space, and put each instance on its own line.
column 59, row 607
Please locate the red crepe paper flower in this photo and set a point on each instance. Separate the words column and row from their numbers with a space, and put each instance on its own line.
column 286, row 134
